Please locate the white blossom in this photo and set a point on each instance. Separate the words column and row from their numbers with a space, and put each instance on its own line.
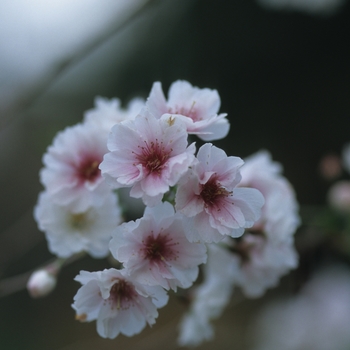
column 69, row 232
column 147, row 154
column 108, row 112
column 279, row 217
column 155, row 251
column 71, row 174
column 197, row 108
column 116, row 302
column 262, row 263
column 209, row 197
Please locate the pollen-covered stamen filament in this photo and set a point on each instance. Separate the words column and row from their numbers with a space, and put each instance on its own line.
column 212, row 191
column 153, row 251
column 153, row 156
column 122, row 294
column 191, row 113
column 159, row 248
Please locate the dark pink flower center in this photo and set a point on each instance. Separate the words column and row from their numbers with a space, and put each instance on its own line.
column 153, row 156
column 122, row 294
column 88, row 169
column 212, row 191
column 159, row 248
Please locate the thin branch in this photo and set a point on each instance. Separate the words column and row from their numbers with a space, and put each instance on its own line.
column 18, row 283
column 36, row 92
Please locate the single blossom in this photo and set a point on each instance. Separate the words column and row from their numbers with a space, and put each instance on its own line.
column 279, row 217
column 210, row 200
column 107, row 113
column 118, row 303
column 71, row 174
column 155, row 251
column 262, row 262
column 69, row 232
column 198, row 108
column 147, row 154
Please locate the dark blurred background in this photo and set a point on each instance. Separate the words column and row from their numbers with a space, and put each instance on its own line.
column 283, row 79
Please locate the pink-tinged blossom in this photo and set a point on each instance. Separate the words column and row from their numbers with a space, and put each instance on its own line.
column 262, row 262
column 147, row 154
column 155, row 251
column 107, row 113
column 69, row 232
column 279, row 217
column 198, row 108
column 118, row 303
column 210, row 200
column 71, row 174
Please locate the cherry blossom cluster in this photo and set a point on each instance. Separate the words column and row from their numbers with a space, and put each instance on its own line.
column 252, row 262
column 205, row 212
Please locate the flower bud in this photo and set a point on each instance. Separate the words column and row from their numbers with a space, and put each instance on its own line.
column 41, row 283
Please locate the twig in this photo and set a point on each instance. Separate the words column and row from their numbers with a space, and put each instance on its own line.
column 61, row 68
column 17, row 283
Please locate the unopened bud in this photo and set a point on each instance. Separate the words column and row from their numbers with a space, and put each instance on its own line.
column 41, row 283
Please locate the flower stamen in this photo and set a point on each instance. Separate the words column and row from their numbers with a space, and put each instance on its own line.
column 212, row 191
column 153, row 157
column 159, row 248
column 122, row 294
column 88, row 170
